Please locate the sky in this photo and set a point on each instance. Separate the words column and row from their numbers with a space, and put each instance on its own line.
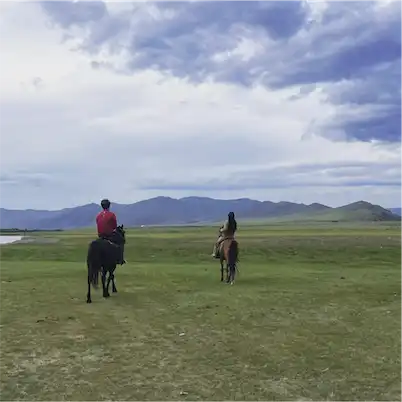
column 279, row 101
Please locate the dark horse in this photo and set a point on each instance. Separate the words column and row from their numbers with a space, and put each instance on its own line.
column 103, row 256
column 229, row 252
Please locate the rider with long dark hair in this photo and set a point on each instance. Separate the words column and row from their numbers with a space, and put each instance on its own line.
column 227, row 231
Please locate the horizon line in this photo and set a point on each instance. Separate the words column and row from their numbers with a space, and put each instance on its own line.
column 189, row 197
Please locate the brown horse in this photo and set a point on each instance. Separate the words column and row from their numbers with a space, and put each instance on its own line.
column 229, row 252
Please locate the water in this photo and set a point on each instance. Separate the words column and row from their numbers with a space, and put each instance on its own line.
column 9, row 239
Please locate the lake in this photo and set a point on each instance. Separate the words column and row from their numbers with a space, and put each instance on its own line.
column 9, row 239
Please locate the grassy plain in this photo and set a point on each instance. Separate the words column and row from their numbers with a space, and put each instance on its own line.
column 314, row 315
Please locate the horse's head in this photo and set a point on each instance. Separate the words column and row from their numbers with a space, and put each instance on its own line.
column 120, row 234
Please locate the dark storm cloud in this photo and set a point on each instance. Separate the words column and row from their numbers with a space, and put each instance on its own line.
column 357, row 42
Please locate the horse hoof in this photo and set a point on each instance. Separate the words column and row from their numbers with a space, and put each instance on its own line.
column 106, row 295
column 114, row 290
column 89, row 301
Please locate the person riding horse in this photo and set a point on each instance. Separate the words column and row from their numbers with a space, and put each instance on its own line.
column 227, row 231
column 104, row 254
column 106, row 222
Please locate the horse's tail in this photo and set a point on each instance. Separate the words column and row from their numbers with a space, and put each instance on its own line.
column 233, row 253
column 93, row 263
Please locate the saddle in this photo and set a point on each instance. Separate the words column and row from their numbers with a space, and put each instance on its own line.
column 219, row 249
column 120, row 259
column 107, row 240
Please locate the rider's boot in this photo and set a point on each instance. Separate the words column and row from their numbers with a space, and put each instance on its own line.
column 122, row 259
column 214, row 252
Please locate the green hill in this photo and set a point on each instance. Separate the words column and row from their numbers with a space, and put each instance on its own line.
column 360, row 211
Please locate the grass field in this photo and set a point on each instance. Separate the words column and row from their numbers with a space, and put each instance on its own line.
column 314, row 315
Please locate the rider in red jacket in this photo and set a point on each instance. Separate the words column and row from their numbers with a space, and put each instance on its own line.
column 106, row 223
column 106, row 220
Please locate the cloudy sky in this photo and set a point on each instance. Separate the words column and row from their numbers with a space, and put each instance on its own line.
column 295, row 101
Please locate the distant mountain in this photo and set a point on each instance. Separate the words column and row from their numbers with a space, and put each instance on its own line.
column 190, row 210
column 397, row 211
column 360, row 211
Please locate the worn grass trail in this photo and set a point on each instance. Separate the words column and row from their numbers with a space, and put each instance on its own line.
column 315, row 314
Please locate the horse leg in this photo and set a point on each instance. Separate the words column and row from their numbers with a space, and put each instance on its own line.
column 89, row 300
column 227, row 273
column 105, row 290
column 221, row 261
column 114, row 289
column 232, row 261
column 109, row 278
column 232, row 273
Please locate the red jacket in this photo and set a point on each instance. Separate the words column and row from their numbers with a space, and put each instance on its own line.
column 106, row 222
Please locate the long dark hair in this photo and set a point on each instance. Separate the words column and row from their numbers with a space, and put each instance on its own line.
column 232, row 222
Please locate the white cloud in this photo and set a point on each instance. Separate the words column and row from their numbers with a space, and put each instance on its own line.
column 89, row 133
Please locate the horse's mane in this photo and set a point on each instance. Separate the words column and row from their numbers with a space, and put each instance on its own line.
column 119, row 233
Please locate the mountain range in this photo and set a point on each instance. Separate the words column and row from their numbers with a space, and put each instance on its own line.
column 193, row 210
